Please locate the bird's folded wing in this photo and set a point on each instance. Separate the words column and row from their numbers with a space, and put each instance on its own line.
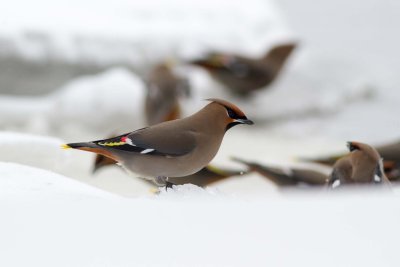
column 152, row 142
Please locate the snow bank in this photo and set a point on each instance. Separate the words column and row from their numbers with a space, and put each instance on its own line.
column 109, row 101
column 38, row 151
column 53, row 221
column 23, row 183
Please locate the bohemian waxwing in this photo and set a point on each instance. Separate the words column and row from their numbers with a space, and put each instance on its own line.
column 174, row 148
column 164, row 89
column 389, row 152
column 363, row 165
column 287, row 177
column 243, row 75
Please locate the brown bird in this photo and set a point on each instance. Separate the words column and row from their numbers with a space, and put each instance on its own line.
column 174, row 148
column 243, row 75
column 164, row 89
column 363, row 165
column 288, row 177
column 390, row 154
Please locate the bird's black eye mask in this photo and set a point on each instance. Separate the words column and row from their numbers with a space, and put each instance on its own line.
column 352, row 147
column 233, row 115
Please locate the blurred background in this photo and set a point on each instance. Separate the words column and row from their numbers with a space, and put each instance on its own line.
column 78, row 71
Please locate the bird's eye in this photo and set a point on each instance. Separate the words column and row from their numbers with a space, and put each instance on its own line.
column 231, row 113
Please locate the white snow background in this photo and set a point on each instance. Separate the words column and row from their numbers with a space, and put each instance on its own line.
column 340, row 84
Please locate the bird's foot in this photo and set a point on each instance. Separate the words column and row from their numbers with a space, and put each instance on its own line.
column 163, row 181
column 168, row 185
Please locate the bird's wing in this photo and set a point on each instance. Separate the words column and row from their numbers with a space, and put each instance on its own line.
column 153, row 141
column 334, row 179
column 341, row 172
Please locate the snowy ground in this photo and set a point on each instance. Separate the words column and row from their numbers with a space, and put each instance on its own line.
column 339, row 85
column 51, row 220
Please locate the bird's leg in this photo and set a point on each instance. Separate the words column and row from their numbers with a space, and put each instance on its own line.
column 163, row 181
column 168, row 184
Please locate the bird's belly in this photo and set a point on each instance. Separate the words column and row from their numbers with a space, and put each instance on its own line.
column 162, row 166
column 153, row 166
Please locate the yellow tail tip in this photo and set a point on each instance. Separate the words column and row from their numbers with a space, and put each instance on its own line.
column 65, row 146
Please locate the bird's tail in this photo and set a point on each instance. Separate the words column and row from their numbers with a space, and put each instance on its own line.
column 280, row 53
column 250, row 165
column 91, row 147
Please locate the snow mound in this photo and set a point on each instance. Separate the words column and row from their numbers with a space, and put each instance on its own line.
column 38, row 151
column 24, row 182
column 114, row 96
column 269, row 231
column 103, row 102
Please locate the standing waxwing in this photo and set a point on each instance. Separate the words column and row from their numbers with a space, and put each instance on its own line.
column 174, row 148
column 287, row 177
column 243, row 75
column 363, row 165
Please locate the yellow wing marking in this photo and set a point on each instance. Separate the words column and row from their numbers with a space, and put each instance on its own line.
column 112, row 143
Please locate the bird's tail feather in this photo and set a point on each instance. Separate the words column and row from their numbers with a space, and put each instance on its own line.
column 91, row 147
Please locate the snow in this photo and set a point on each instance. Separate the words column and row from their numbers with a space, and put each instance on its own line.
column 20, row 181
column 33, row 150
column 116, row 95
column 51, row 220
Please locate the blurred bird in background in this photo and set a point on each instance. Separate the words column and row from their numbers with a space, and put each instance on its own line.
column 164, row 89
column 390, row 154
column 363, row 165
column 287, row 176
column 244, row 75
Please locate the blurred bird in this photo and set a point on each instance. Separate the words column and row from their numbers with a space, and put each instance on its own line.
column 287, row 177
column 391, row 160
column 173, row 148
column 206, row 176
column 243, row 75
column 363, row 165
column 164, row 89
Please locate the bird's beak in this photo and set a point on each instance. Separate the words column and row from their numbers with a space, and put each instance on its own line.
column 244, row 121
